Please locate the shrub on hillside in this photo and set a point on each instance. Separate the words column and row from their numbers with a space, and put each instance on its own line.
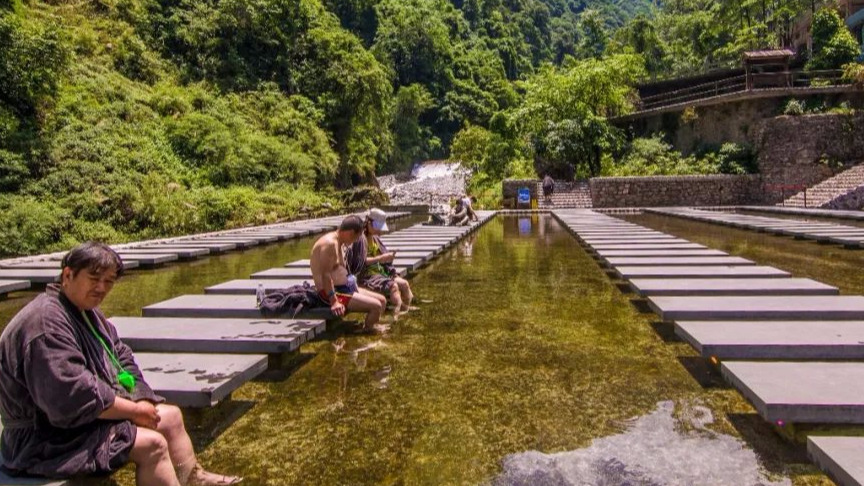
column 833, row 43
column 33, row 57
column 793, row 107
column 653, row 156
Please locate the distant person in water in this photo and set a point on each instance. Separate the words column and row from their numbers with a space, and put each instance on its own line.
column 336, row 287
column 370, row 259
column 548, row 189
column 74, row 401
column 459, row 214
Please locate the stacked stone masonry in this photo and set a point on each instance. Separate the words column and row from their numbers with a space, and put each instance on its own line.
column 710, row 190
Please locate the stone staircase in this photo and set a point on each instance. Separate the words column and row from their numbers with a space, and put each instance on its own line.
column 575, row 194
column 843, row 191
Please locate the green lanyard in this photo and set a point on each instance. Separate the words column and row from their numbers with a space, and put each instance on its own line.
column 126, row 379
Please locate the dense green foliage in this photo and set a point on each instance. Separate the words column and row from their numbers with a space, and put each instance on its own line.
column 833, row 44
column 653, row 156
column 124, row 119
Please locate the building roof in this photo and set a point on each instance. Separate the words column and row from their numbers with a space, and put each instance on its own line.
column 769, row 55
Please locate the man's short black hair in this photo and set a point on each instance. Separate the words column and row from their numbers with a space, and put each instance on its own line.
column 352, row 223
column 93, row 256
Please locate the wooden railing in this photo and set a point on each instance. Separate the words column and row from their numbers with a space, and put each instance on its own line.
column 743, row 83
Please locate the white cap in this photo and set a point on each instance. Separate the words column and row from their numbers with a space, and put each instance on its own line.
column 379, row 219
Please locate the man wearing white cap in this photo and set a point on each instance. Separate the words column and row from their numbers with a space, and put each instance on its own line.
column 371, row 260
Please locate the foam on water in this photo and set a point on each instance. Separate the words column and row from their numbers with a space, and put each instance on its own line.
column 656, row 450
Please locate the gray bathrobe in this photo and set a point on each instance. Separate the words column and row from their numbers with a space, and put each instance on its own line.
column 55, row 381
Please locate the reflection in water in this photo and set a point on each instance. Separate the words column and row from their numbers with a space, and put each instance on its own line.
column 657, row 449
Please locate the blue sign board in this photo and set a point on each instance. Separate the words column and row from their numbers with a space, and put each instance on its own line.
column 524, row 195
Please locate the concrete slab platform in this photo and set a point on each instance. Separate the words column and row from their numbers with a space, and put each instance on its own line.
column 698, row 271
column 183, row 253
column 298, row 264
column 240, row 336
column 649, row 246
column 801, row 392
column 218, row 306
column 678, row 261
column 616, row 241
column 659, row 253
column 250, row 287
column 239, row 243
column 55, row 265
column 730, row 286
column 215, row 247
column 198, row 380
column 149, row 260
column 775, row 340
column 250, row 236
column 300, row 273
column 793, row 308
column 840, row 457
column 630, row 238
column 284, row 273
column 34, row 275
column 7, row 286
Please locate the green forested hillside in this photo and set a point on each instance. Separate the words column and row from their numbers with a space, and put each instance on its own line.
column 124, row 119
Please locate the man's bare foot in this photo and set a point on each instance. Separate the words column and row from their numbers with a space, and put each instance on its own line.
column 200, row 477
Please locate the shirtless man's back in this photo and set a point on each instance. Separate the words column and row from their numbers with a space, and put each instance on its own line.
column 327, row 263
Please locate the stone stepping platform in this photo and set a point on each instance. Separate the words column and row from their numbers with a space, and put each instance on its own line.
column 302, row 273
column 635, row 241
column 215, row 247
column 840, row 457
column 730, row 286
column 151, row 260
column 824, row 392
column 182, row 253
column 250, row 287
column 198, row 380
column 241, row 336
column 678, row 261
column 7, row 286
column 218, row 306
column 34, row 275
column 239, row 243
column 403, row 246
column 824, row 213
column 55, row 265
column 648, row 246
column 659, row 253
column 775, row 340
column 699, row 271
column 798, row 229
column 628, row 238
column 442, row 240
column 797, row 308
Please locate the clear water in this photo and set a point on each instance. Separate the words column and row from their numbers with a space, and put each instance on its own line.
column 521, row 344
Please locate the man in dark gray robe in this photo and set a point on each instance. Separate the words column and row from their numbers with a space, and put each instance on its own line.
column 67, row 410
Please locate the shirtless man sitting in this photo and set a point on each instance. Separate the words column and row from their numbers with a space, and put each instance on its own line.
column 335, row 286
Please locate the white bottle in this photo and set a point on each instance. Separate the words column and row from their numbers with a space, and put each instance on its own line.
column 259, row 294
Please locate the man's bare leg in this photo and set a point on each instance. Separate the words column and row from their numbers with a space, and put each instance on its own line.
column 152, row 462
column 182, row 454
column 372, row 306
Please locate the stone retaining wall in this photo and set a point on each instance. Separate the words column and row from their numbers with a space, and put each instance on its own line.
column 805, row 150
column 709, row 190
